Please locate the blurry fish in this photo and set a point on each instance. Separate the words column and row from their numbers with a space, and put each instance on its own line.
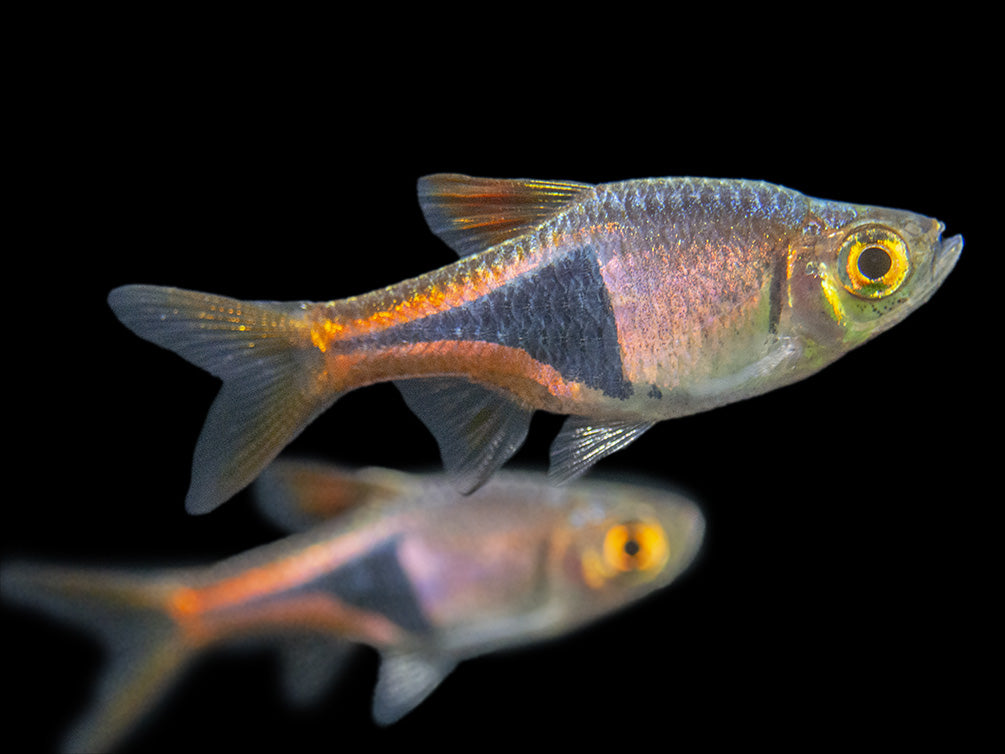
column 621, row 304
column 404, row 564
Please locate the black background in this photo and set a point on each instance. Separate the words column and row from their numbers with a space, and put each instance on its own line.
column 835, row 598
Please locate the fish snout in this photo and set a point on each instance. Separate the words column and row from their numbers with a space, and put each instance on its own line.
column 947, row 252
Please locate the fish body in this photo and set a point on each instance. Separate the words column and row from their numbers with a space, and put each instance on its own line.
column 620, row 305
column 404, row 564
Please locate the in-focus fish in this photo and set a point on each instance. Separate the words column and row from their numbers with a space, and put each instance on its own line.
column 621, row 304
column 404, row 564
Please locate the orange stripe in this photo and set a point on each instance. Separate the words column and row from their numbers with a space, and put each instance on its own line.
column 453, row 286
column 319, row 612
column 449, row 287
column 512, row 369
column 272, row 576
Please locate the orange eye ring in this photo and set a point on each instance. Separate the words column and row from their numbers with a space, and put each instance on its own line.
column 873, row 262
column 635, row 546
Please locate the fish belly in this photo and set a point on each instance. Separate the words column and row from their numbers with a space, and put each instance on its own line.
column 696, row 279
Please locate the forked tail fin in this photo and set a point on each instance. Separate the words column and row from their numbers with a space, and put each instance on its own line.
column 129, row 613
column 271, row 377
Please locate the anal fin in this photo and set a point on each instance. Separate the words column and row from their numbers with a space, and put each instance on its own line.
column 311, row 664
column 476, row 429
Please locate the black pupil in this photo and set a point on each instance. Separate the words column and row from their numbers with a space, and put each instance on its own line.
column 631, row 547
column 874, row 262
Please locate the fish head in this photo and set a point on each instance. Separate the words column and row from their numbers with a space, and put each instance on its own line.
column 861, row 270
column 625, row 542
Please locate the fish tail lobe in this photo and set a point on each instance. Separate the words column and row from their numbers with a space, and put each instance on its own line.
column 128, row 613
column 274, row 379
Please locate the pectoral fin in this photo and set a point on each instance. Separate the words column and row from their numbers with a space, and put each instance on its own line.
column 582, row 442
column 404, row 680
column 782, row 353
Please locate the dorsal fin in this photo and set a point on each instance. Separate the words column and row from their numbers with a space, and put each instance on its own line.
column 297, row 495
column 472, row 214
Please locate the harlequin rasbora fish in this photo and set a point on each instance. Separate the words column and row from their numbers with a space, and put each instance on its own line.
column 404, row 564
column 620, row 304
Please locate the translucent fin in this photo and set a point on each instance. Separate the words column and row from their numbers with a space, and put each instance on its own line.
column 477, row 430
column 582, row 442
column 311, row 665
column 472, row 214
column 128, row 614
column 298, row 495
column 404, row 680
column 271, row 387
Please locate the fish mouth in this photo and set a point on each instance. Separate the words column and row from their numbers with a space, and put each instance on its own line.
column 946, row 254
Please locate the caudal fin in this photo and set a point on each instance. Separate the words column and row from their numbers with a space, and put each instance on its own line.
column 147, row 651
column 271, row 387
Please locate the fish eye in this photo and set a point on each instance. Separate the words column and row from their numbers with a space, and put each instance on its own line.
column 635, row 546
column 873, row 262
